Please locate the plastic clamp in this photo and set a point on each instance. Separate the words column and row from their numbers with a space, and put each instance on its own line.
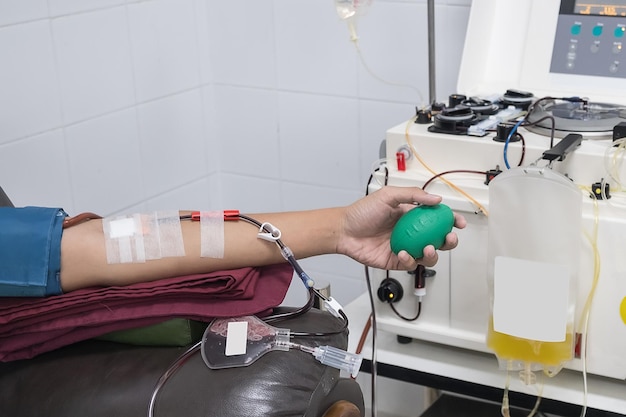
column 333, row 306
column 272, row 236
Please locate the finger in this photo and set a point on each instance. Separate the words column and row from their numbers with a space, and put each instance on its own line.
column 459, row 221
column 430, row 257
column 427, row 199
column 423, row 199
column 452, row 241
column 411, row 195
column 407, row 261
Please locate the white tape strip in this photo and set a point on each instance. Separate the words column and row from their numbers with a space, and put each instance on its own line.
column 163, row 235
column 139, row 237
column 152, row 240
column 138, row 241
column 170, row 234
column 212, row 234
column 123, row 240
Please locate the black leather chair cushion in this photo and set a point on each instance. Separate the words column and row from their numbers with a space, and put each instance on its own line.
column 99, row 378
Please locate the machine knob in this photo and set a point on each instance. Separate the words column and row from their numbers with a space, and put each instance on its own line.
column 390, row 291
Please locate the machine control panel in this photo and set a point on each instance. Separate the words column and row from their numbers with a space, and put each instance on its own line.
column 590, row 38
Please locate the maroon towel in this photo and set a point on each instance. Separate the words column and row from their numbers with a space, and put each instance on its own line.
column 31, row 326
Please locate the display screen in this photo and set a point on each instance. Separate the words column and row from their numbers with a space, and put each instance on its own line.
column 600, row 8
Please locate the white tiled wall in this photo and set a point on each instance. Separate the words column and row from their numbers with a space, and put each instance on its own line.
column 111, row 105
column 262, row 105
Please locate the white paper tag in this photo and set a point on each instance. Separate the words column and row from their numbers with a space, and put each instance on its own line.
column 530, row 299
column 236, row 338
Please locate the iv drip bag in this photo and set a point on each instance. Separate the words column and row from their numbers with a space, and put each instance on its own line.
column 349, row 9
column 534, row 249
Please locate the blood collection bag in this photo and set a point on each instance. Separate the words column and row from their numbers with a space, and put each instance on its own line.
column 534, row 249
column 233, row 342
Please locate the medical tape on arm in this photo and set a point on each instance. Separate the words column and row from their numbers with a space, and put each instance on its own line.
column 212, row 234
column 169, row 243
column 137, row 238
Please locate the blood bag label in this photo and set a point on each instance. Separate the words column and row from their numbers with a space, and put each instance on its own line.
column 236, row 338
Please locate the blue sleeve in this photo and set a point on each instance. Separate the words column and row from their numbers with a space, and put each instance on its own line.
column 30, row 251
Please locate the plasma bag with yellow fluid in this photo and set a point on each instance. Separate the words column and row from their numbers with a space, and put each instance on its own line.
column 534, row 249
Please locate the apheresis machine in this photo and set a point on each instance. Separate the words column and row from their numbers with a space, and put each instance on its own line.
column 531, row 152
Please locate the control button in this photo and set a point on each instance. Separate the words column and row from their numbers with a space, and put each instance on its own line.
column 597, row 30
column 619, row 31
column 569, row 65
column 572, row 46
column 575, row 29
column 595, row 47
column 617, row 47
column 613, row 67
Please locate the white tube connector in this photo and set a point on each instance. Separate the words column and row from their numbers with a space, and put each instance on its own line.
column 340, row 359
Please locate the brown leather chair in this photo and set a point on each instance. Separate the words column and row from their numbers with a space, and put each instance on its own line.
column 101, row 378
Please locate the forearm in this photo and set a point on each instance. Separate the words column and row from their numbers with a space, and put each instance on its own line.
column 306, row 233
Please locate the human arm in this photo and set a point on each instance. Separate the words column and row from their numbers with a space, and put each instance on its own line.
column 360, row 231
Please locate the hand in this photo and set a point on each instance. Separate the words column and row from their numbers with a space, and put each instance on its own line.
column 367, row 225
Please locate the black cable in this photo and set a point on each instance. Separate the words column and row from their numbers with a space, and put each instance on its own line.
column 292, row 314
column 395, row 299
column 456, row 171
column 417, row 315
column 534, row 105
column 341, row 330
column 374, row 363
column 369, row 181
column 536, row 122
column 368, row 281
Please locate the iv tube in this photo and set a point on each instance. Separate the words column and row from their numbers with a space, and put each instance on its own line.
column 349, row 11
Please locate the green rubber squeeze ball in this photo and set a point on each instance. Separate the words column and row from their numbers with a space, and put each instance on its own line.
column 420, row 227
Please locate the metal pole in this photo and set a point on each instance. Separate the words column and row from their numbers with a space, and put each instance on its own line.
column 432, row 94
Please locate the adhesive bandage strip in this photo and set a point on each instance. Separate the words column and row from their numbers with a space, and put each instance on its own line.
column 170, row 235
column 122, row 239
column 212, row 234
column 137, row 238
